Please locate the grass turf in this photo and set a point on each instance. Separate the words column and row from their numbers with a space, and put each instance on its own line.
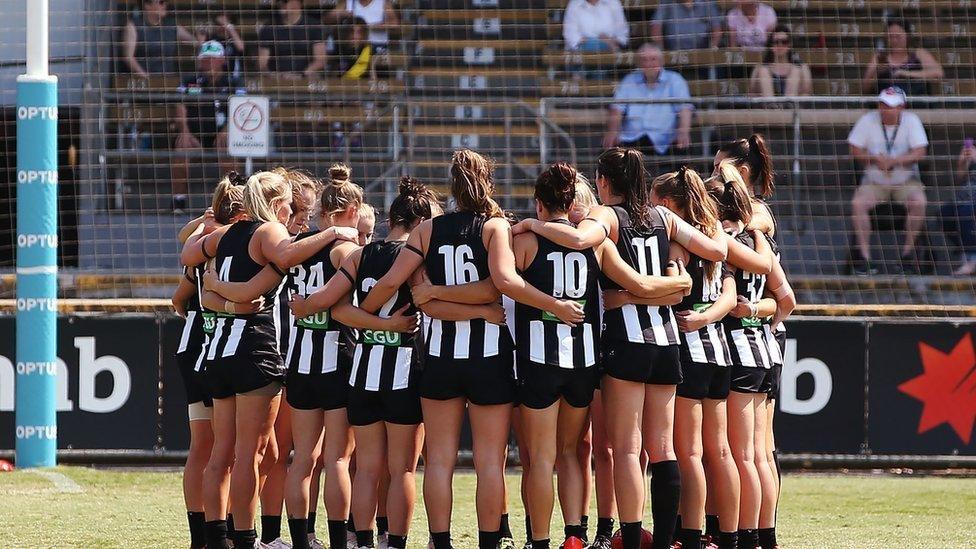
column 143, row 508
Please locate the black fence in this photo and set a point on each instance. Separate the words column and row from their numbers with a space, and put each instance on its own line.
column 853, row 388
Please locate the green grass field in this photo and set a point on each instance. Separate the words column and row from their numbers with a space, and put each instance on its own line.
column 144, row 508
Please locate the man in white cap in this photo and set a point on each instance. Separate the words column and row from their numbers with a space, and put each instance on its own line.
column 202, row 118
column 889, row 143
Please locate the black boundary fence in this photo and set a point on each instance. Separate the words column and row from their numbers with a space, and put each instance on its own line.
column 856, row 393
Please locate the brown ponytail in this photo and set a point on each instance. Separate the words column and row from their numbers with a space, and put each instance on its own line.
column 754, row 153
column 734, row 201
column 624, row 169
column 687, row 191
column 415, row 203
column 555, row 188
column 472, row 183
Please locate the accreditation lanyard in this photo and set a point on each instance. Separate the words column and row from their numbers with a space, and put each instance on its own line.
column 890, row 143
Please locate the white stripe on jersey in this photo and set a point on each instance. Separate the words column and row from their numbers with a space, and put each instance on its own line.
column 185, row 336
column 462, row 338
column 374, row 366
column 632, row 323
column 775, row 353
column 236, row 331
column 537, row 341
column 717, row 346
column 292, row 334
column 436, row 334
column 356, row 356
column 492, row 335
column 564, row 340
column 330, row 352
column 198, row 367
column 657, row 324
column 743, row 348
column 589, row 353
column 401, row 372
column 305, row 353
column 696, row 349
column 218, row 331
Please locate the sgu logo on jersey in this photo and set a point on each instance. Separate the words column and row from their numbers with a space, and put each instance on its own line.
column 379, row 337
column 209, row 322
column 318, row 321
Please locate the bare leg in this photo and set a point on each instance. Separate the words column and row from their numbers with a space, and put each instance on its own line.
column 861, row 205
column 624, row 403
column 255, row 421
column 307, row 428
column 442, row 421
column 370, row 461
column 403, row 451
column 570, row 474
column 721, row 470
column 490, row 426
column 742, row 426
column 336, row 451
column 201, row 447
column 216, row 475
column 688, row 446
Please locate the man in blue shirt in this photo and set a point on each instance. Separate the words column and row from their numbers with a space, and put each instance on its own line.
column 656, row 129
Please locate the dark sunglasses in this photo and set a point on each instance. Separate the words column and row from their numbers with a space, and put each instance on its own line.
column 784, row 41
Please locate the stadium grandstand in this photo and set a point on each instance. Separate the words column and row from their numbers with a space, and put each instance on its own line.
column 497, row 76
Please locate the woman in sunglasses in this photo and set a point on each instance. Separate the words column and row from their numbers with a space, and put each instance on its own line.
column 781, row 71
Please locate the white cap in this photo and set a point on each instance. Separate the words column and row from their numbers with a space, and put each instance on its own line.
column 893, row 96
column 211, row 48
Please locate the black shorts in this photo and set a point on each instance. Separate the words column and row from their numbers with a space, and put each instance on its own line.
column 775, row 376
column 482, row 381
column 641, row 362
column 401, row 407
column 750, row 380
column 700, row 381
column 194, row 382
column 244, row 372
column 541, row 385
column 328, row 391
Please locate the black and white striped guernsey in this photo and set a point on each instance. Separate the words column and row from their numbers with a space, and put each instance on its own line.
column 747, row 340
column 233, row 263
column 383, row 360
column 646, row 251
column 315, row 342
column 708, row 344
column 199, row 324
column 564, row 274
column 457, row 255
column 775, row 352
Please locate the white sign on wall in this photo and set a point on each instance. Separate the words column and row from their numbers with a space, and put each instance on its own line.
column 247, row 133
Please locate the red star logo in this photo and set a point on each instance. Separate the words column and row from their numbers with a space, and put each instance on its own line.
column 947, row 388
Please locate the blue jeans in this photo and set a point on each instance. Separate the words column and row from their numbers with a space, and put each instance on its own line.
column 592, row 45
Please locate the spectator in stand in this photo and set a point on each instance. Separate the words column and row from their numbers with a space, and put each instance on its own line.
column 379, row 15
column 657, row 129
column 202, row 122
column 354, row 54
column 959, row 217
column 889, row 142
column 913, row 70
column 293, row 45
column 595, row 26
column 151, row 38
column 750, row 24
column 781, row 71
column 223, row 31
column 687, row 25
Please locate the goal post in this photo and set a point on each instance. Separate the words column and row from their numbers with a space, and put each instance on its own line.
column 37, row 241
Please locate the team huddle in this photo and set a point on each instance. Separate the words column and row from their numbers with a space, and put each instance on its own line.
column 635, row 330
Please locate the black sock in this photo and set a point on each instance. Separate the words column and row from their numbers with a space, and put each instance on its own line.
column 748, row 538
column 364, row 538
column 198, row 529
column 270, row 528
column 540, row 543
column 215, row 532
column 604, row 527
column 528, row 527
column 230, row 522
column 244, row 538
column 396, row 542
column 677, row 529
column 585, row 523
column 503, row 528
column 311, row 523
column 767, row 538
column 574, row 530
column 382, row 525
column 711, row 526
column 298, row 528
column 337, row 533
column 665, row 494
column 441, row 540
column 350, row 525
column 690, row 539
column 728, row 540
column 488, row 540
column 630, row 535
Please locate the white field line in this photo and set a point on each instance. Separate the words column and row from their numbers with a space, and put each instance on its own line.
column 61, row 482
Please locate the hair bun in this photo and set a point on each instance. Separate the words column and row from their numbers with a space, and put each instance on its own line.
column 410, row 186
column 339, row 174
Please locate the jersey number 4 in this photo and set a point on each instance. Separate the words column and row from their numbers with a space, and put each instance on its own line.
column 458, row 266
